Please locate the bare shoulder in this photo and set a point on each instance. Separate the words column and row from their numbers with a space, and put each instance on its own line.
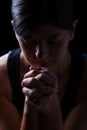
column 3, row 62
column 77, row 119
column 9, row 117
column 5, row 88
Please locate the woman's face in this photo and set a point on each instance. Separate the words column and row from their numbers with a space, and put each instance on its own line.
column 45, row 46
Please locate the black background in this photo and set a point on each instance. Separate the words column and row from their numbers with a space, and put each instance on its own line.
column 7, row 37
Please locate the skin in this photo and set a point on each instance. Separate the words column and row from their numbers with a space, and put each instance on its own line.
column 44, row 72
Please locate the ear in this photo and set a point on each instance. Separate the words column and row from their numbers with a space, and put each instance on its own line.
column 75, row 23
column 12, row 23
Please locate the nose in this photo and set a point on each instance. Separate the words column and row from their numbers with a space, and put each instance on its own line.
column 41, row 50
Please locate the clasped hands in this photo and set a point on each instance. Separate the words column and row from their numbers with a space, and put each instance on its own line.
column 40, row 89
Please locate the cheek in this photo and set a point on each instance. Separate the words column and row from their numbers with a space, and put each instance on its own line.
column 58, row 52
column 55, row 51
column 28, row 53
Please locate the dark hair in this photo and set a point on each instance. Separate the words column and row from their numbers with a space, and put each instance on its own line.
column 28, row 14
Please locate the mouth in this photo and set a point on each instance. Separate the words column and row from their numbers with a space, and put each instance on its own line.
column 40, row 64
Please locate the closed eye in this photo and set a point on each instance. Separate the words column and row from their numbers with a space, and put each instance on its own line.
column 29, row 43
column 55, row 41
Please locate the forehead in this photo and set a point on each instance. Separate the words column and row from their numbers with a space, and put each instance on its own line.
column 45, row 30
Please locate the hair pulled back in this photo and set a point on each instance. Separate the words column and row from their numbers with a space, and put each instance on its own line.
column 28, row 14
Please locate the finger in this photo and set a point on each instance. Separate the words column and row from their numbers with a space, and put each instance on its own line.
column 46, row 90
column 47, row 80
column 31, row 95
column 33, row 106
column 27, row 91
column 34, row 72
column 38, row 76
column 31, row 73
column 30, row 82
column 38, row 68
column 30, row 104
column 36, row 97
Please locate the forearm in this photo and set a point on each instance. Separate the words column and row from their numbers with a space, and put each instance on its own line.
column 50, row 122
column 29, row 119
column 52, row 118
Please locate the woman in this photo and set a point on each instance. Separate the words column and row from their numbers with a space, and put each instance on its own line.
column 43, row 83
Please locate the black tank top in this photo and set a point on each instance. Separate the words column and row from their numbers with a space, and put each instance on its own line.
column 68, row 101
column 13, row 66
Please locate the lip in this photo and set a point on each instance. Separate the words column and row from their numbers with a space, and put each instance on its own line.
column 40, row 64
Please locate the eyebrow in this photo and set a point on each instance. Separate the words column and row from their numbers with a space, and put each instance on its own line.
column 52, row 36
column 28, row 37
